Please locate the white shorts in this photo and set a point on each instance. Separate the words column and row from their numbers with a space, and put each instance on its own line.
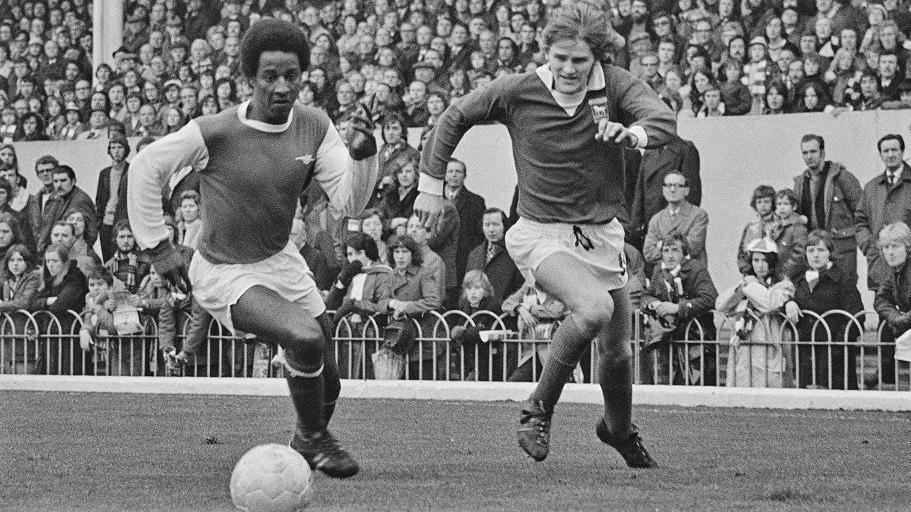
column 598, row 246
column 217, row 287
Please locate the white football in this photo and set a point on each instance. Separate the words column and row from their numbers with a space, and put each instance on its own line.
column 271, row 478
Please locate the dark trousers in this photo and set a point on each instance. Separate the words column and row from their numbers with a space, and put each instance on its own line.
column 106, row 238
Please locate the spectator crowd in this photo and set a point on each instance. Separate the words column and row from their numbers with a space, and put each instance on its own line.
column 403, row 62
column 180, row 59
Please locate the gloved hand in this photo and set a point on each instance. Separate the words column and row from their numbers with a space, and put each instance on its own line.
column 347, row 274
column 360, row 139
column 170, row 265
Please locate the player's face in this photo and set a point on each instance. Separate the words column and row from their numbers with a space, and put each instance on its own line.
column 571, row 62
column 895, row 253
column 275, row 86
column 818, row 256
column 493, row 227
column 125, row 241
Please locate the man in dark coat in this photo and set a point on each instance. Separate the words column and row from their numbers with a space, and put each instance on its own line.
column 111, row 196
column 678, row 155
column 66, row 199
column 491, row 258
column 470, row 207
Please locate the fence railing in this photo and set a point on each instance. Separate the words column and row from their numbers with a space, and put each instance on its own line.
column 833, row 350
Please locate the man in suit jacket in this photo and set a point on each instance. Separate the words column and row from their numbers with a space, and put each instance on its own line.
column 111, row 196
column 470, row 207
column 678, row 155
column 679, row 217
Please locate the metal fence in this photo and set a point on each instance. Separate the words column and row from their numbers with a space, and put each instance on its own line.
column 833, row 351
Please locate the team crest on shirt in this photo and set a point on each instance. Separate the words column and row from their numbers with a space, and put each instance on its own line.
column 599, row 108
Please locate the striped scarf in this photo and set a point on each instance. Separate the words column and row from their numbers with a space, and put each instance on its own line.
column 127, row 275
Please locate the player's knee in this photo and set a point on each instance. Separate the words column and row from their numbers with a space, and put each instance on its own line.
column 594, row 316
column 305, row 349
column 614, row 352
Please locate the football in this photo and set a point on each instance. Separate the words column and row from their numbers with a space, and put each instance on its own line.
column 271, row 478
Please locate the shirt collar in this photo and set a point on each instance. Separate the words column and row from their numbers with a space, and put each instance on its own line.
column 259, row 125
column 596, row 81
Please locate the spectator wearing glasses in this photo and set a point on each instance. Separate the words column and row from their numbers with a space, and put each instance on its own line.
column 679, row 217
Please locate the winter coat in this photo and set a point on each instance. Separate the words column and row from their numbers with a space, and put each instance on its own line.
column 340, row 299
column 893, row 299
column 841, row 197
column 444, row 240
column 696, row 300
column 70, row 293
column 832, row 291
column 754, row 230
column 760, row 360
column 790, row 235
column 470, row 208
column 881, row 204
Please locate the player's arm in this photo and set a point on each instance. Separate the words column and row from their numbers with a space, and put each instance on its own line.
column 645, row 121
column 150, row 171
column 481, row 106
column 348, row 174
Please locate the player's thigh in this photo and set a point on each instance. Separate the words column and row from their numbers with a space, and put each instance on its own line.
column 576, row 284
column 269, row 315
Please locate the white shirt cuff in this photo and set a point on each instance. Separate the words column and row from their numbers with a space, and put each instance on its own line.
column 640, row 134
column 430, row 185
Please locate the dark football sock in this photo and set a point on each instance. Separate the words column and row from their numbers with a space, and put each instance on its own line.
column 307, row 396
column 567, row 347
column 331, row 384
column 616, row 382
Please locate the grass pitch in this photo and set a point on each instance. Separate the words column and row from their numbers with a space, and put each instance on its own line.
column 114, row 452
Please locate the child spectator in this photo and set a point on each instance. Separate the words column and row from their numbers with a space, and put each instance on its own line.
column 755, row 357
column 159, row 300
column 190, row 224
column 477, row 296
column 762, row 202
column 538, row 316
column 789, row 232
column 756, row 71
column 98, row 318
column 681, row 290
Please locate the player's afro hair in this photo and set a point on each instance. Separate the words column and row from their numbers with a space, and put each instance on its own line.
column 270, row 34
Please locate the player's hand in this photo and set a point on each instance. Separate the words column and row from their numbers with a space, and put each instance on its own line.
column 609, row 131
column 360, row 139
column 170, row 266
column 428, row 207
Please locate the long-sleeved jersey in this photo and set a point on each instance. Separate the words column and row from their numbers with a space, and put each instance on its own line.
column 564, row 173
column 251, row 175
